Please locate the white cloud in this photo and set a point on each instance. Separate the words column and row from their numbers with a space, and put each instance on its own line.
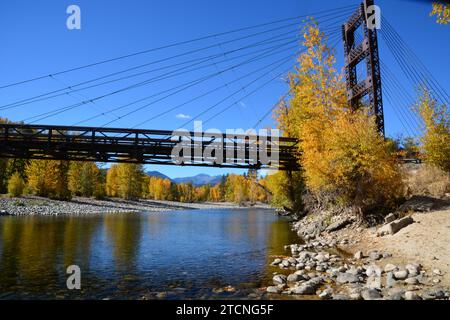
column 242, row 103
column 183, row 116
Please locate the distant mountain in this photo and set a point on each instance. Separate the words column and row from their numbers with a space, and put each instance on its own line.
column 157, row 174
column 199, row 180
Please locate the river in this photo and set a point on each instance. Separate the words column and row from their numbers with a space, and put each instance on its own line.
column 171, row 255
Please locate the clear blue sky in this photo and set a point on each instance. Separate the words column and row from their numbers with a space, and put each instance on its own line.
column 36, row 42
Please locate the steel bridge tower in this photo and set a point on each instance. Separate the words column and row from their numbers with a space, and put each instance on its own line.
column 366, row 50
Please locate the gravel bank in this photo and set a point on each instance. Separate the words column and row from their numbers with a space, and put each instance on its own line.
column 32, row 205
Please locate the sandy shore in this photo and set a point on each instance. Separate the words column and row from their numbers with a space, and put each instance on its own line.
column 32, row 205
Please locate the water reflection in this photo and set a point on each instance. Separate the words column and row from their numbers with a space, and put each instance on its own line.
column 136, row 255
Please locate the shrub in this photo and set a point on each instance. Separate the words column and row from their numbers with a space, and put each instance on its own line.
column 16, row 185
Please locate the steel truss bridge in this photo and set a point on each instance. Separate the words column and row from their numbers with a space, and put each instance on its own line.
column 147, row 146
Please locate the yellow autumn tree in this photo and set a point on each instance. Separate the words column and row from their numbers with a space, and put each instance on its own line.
column 112, row 182
column 16, row 185
column 286, row 190
column 186, row 192
column 84, row 179
column 342, row 155
column 158, row 188
column 49, row 178
column 215, row 194
column 441, row 11
column 129, row 180
column 436, row 138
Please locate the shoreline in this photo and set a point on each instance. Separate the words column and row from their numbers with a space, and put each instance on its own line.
column 33, row 205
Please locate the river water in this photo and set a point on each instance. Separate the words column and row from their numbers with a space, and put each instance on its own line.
column 170, row 255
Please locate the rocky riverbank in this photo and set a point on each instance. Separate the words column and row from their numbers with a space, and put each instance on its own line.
column 32, row 205
column 341, row 258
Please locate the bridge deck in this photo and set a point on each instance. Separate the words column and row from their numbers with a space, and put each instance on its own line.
column 147, row 146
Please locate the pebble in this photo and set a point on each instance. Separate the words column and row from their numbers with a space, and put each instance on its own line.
column 355, row 296
column 390, row 281
column 347, row 278
column 375, row 255
column 370, row 294
column 395, row 294
column 285, row 263
column 436, row 280
column 411, row 281
column 277, row 261
column 437, row 272
column 374, row 282
column 294, row 277
column 273, row 289
column 279, row 279
column 308, row 287
column 411, row 295
column 373, row 270
column 401, row 274
column 390, row 267
column 359, row 255
column 413, row 269
column 326, row 294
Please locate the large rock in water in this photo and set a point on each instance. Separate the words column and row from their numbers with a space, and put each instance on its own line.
column 394, row 226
